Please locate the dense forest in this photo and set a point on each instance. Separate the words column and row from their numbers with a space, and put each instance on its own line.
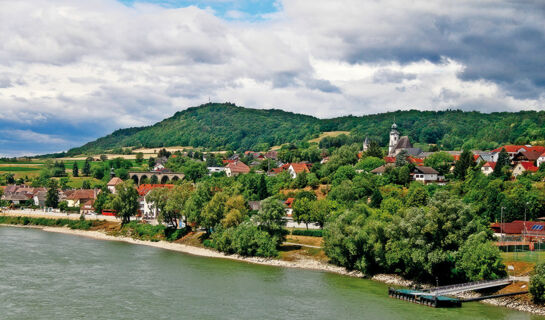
column 229, row 127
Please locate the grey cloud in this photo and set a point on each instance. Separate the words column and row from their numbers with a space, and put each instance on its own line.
column 391, row 76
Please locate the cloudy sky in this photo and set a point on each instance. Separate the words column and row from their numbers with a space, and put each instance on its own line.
column 72, row 70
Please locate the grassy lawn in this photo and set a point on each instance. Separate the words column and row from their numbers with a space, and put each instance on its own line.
column 18, row 169
column 328, row 134
column 528, row 256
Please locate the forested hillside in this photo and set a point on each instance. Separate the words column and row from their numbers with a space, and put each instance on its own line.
column 226, row 126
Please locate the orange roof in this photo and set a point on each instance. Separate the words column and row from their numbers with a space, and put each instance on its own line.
column 289, row 202
column 510, row 148
column 539, row 149
column 238, row 167
column 82, row 194
column 228, row 161
column 300, row 167
column 416, row 161
column 115, row 181
column 144, row 189
column 390, row 159
column 490, row 164
column 528, row 166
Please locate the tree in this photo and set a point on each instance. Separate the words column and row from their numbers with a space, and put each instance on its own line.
column 175, row 205
column 154, row 179
column 270, row 217
column 151, row 162
column 236, row 210
column 52, row 197
column 213, row 212
column 86, row 184
column 139, row 157
column 125, row 201
column 479, row 259
column 158, row 197
column 417, row 196
column 537, row 283
column 465, row 162
column 440, row 161
column 302, row 211
column 103, row 200
column 370, row 163
column 321, row 210
column 103, row 157
column 401, row 158
column 374, row 150
column 262, row 191
column 63, row 206
column 301, row 180
column 503, row 162
column 194, row 170
column 376, row 198
column 75, row 170
column 86, row 168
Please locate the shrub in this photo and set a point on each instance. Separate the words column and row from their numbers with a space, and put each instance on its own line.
column 246, row 240
column 537, row 283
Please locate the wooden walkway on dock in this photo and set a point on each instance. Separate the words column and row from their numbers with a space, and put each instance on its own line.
column 469, row 286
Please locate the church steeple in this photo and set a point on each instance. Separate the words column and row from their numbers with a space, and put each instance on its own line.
column 365, row 144
column 394, row 139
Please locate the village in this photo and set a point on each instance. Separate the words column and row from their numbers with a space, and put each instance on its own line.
column 522, row 160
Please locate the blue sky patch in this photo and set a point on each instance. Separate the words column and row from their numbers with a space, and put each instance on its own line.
column 227, row 9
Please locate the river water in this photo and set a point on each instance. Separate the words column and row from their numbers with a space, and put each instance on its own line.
column 56, row 276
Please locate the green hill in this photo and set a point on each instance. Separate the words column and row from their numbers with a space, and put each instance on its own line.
column 226, row 126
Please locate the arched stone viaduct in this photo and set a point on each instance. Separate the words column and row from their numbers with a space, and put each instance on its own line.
column 162, row 178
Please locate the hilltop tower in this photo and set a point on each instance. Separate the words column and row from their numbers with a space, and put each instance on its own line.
column 394, row 139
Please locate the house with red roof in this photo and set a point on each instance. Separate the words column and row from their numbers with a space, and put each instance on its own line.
column 145, row 208
column 524, row 166
column 113, row 183
column 235, row 168
column 80, row 196
column 297, row 168
column 288, row 203
column 488, row 167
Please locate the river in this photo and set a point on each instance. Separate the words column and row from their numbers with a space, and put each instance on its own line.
column 56, row 276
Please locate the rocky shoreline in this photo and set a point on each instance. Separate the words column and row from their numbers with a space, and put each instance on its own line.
column 308, row 264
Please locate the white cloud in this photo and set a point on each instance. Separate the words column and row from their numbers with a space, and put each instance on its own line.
column 115, row 66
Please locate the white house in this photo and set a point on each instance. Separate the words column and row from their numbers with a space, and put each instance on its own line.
column 425, row 174
column 488, row 167
column 297, row 168
column 212, row 170
column 113, row 183
column 540, row 160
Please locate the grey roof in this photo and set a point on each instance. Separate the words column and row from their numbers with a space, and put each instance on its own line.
column 403, row 143
column 426, row 170
column 382, row 168
column 413, row 151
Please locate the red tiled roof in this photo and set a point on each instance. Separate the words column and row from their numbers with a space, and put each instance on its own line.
column 238, row 167
column 540, row 149
column 228, row 161
column 289, row 202
column 490, row 164
column 114, row 182
column 510, row 148
column 528, row 166
column 517, row 227
column 82, row 194
column 300, row 167
column 144, row 189
column 390, row 159
column 416, row 161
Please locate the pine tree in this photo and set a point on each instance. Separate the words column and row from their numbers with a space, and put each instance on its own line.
column 262, row 191
column 52, row 198
column 503, row 161
column 466, row 161
column 75, row 170
column 374, row 150
column 86, row 168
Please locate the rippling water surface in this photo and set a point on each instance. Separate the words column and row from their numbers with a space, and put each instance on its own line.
column 55, row 276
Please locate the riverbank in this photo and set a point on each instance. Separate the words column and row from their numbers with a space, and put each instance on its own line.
column 302, row 263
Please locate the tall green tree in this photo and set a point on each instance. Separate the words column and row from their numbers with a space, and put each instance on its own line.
column 503, row 162
column 213, row 212
column 75, row 170
column 374, row 150
column 86, row 168
column 302, row 211
column 125, row 202
column 52, row 197
column 537, row 283
column 466, row 161
column 262, row 191
column 270, row 217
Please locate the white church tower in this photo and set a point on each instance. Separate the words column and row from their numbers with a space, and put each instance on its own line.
column 394, row 139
